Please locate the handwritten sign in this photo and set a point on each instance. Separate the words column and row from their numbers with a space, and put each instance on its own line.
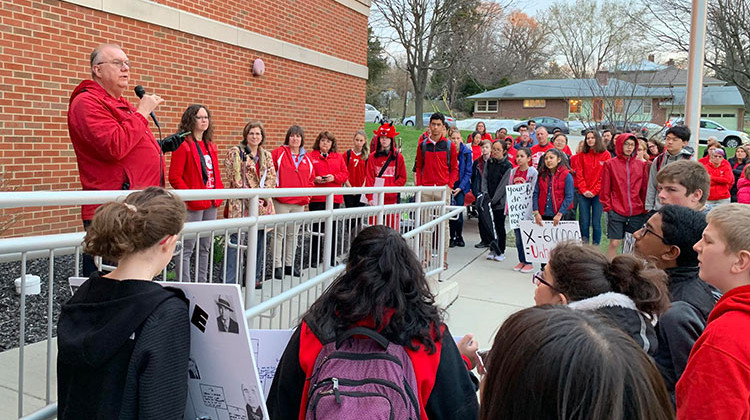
column 519, row 203
column 268, row 346
column 538, row 241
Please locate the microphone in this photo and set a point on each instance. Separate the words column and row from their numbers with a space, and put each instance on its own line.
column 140, row 91
column 171, row 143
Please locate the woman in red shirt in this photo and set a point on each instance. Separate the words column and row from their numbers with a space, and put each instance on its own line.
column 721, row 175
column 330, row 172
column 356, row 159
column 294, row 169
column 386, row 163
column 588, row 172
column 195, row 165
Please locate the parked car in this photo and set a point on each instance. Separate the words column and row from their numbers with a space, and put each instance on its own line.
column 372, row 114
column 410, row 121
column 550, row 123
column 620, row 126
column 728, row 138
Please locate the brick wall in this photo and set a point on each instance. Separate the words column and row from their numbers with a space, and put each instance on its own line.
column 44, row 48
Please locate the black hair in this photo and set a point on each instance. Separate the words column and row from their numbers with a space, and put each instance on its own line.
column 679, row 131
column 525, row 150
column 382, row 277
column 437, row 116
column 552, row 362
column 532, row 121
column 683, row 228
column 544, row 170
column 582, row 271
column 523, row 126
column 187, row 122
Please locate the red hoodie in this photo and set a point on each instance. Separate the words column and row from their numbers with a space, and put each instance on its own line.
column 716, row 381
column 185, row 172
column 722, row 179
column 114, row 146
column 588, row 168
column 624, row 182
column 393, row 176
column 289, row 175
column 432, row 163
column 333, row 164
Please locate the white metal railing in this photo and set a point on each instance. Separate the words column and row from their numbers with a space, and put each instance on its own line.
column 279, row 302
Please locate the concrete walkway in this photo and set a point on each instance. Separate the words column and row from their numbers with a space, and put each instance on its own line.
column 488, row 291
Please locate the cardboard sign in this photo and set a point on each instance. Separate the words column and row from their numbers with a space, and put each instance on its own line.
column 538, row 241
column 268, row 346
column 223, row 382
column 519, row 203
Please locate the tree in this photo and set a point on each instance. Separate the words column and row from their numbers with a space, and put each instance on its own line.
column 417, row 25
column 377, row 65
column 588, row 34
column 727, row 50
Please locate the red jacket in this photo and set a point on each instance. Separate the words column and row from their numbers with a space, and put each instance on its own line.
column 743, row 190
column 588, row 168
column 445, row 390
column 558, row 190
column 624, row 182
column 289, row 175
column 476, row 151
column 185, row 171
column 716, row 381
column 537, row 152
column 512, row 156
column 393, row 176
column 114, row 147
column 722, row 179
column 432, row 163
column 333, row 164
column 356, row 168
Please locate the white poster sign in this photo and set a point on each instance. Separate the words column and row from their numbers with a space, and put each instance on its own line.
column 519, row 203
column 223, row 382
column 268, row 346
column 538, row 241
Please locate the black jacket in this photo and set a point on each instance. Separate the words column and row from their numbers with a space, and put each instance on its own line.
column 123, row 349
column 682, row 324
column 497, row 172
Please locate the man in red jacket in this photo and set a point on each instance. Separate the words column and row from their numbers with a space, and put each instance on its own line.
column 437, row 164
column 113, row 144
column 623, row 192
column 716, row 380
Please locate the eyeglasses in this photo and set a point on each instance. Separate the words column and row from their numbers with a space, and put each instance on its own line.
column 646, row 231
column 538, row 278
column 116, row 63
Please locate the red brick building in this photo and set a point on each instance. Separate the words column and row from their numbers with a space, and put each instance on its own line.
column 197, row 51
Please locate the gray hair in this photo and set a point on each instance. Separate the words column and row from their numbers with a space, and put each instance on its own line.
column 94, row 57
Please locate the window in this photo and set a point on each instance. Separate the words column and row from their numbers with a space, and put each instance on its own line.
column 711, row 125
column 575, row 106
column 619, row 106
column 729, row 115
column 646, row 108
column 485, row 106
column 714, row 115
column 534, row 103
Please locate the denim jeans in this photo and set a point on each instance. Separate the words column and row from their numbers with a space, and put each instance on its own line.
column 260, row 265
column 457, row 226
column 519, row 246
column 590, row 212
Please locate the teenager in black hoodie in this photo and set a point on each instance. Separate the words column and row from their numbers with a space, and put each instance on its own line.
column 124, row 341
column 667, row 241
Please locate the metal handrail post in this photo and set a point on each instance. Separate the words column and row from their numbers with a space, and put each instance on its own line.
column 251, row 253
column 328, row 236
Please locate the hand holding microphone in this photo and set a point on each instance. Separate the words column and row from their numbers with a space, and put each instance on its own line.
column 147, row 104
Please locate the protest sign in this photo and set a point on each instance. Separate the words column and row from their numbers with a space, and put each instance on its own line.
column 519, row 203
column 223, row 382
column 268, row 346
column 538, row 241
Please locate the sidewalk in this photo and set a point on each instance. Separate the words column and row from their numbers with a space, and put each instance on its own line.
column 488, row 291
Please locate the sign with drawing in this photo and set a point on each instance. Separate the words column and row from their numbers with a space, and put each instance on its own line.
column 268, row 346
column 538, row 241
column 519, row 203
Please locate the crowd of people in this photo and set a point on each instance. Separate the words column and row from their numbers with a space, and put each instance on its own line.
column 646, row 334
